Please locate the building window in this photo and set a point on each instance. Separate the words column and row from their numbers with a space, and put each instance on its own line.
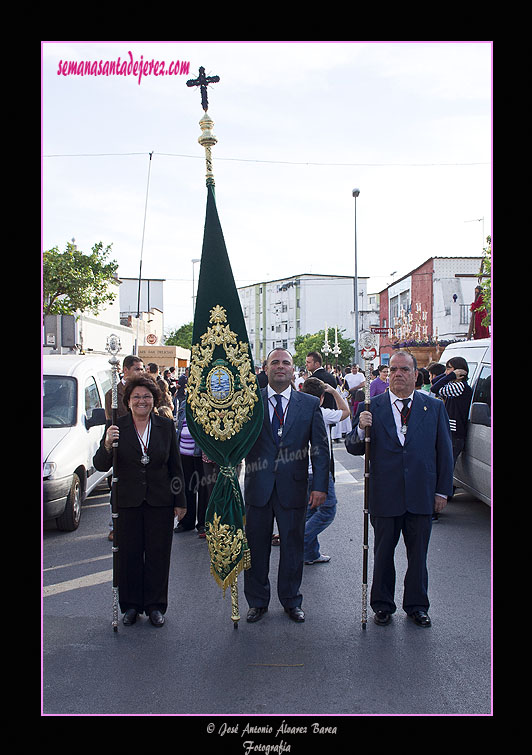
column 394, row 308
column 465, row 314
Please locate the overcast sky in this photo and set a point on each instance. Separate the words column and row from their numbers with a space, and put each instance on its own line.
column 299, row 125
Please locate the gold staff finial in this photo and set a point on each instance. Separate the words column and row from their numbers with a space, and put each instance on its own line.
column 207, row 138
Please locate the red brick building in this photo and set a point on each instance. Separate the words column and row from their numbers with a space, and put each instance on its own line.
column 430, row 304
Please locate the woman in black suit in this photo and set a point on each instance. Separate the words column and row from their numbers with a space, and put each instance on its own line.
column 150, row 494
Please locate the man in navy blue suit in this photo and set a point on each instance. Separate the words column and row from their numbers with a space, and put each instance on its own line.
column 275, row 485
column 411, row 472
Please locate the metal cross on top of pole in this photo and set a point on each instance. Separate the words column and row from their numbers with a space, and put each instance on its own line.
column 203, row 82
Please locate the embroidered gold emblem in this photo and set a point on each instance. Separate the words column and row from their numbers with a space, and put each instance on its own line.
column 221, row 393
column 225, row 545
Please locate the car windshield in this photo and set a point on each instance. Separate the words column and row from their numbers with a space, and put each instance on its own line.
column 59, row 401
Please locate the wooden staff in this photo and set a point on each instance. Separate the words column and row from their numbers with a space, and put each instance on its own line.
column 368, row 352
column 113, row 347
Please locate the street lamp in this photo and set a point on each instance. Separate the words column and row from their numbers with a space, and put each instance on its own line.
column 193, row 290
column 326, row 348
column 336, row 349
column 356, row 192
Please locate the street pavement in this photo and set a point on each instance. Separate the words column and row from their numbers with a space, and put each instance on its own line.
column 324, row 671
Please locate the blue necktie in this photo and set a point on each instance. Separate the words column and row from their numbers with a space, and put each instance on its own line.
column 276, row 419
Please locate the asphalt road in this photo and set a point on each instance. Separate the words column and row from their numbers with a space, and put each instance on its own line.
column 324, row 671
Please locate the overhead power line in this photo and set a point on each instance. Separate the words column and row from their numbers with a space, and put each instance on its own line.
column 276, row 162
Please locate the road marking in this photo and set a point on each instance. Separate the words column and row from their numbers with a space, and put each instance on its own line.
column 278, row 665
column 74, row 584
column 342, row 476
column 77, row 563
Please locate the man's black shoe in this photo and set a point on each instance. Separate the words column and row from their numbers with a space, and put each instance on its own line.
column 156, row 618
column 421, row 618
column 296, row 613
column 130, row 617
column 256, row 613
column 382, row 618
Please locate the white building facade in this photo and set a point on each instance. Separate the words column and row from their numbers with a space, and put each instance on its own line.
column 454, row 282
column 89, row 332
column 276, row 312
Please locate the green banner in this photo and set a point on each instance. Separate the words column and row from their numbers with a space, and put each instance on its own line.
column 224, row 407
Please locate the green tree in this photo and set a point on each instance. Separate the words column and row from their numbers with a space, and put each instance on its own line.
column 180, row 337
column 486, row 282
column 314, row 342
column 74, row 281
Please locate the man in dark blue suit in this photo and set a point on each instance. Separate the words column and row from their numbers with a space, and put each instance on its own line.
column 275, row 485
column 411, row 472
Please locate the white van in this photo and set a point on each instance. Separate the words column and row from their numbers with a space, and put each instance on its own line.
column 73, row 415
column 473, row 467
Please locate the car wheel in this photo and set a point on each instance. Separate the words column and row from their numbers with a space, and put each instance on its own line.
column 69, row 519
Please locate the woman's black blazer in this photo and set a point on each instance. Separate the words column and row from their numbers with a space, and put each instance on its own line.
column 160, row 482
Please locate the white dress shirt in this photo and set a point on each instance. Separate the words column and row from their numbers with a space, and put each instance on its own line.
column 397, row 405
column 272, row 401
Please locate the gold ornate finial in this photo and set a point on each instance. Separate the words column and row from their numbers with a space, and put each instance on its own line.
column 207, row 139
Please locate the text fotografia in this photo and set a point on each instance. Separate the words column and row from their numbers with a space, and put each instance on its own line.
column 127, row 67
column 285, row 729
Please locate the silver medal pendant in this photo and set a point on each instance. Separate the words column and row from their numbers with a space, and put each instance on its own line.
column 144, row 459
column 280, row 432
column 403, row 429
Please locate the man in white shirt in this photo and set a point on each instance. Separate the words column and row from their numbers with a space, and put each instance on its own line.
column 318, row 519
column 354, row 379
column 300, row 379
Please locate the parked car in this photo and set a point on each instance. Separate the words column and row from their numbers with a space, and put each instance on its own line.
column 73, row 417
column 473, row 467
